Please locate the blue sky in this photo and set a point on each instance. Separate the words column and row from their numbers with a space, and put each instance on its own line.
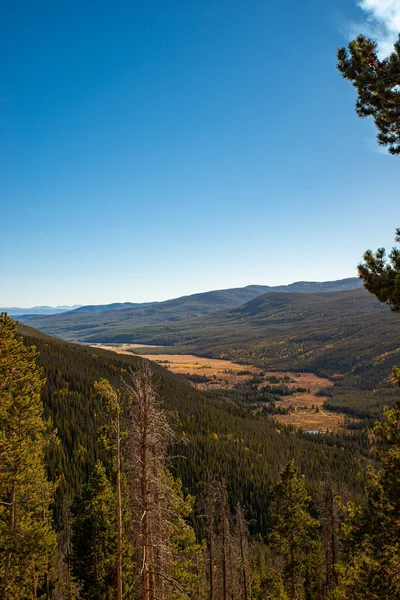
column 151, row 149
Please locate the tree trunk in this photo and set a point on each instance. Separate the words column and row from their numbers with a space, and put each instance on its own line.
column 211, row 544
column 119, row 512
column 242, row 555
column 145, row 505
column 224, row 558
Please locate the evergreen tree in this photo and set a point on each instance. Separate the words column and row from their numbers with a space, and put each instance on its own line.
column 293, row 527
column 275, row 587
column 258, row 570
column 377, row 84
column 113, row 436
column 28, row 542
column 94, row 538
column 370, row 569
column 188, row 566
column 371, row 533
column 381, row 276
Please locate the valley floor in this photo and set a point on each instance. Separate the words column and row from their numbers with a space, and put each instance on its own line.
column 304, row 404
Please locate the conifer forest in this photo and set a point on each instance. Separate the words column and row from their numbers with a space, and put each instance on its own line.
column 236, row 444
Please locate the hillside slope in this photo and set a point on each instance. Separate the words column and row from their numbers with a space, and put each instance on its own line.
column 334, row 331
column 348, row 336
column 222, row 438
column 99, row 322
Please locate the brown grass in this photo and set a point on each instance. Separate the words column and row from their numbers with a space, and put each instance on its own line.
column 310, row 420
column 226, row 374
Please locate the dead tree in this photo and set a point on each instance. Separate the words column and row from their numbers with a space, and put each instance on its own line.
column 222, row 555
column 210, row 506
column 149, row 485
column 330, row 528
column 241, row 539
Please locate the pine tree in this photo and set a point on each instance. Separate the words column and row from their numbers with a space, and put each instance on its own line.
column 28, row 542
column 113, row 436
column 377, row 84
column 370, row 569
column 293, row 527
column 94, row 538
column 381, row 276
column 275, row 587
column 188, row 566
column 258, row 570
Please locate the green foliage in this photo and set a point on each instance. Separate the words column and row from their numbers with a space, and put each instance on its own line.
column 187, row 553
column 275, row 586
column 382, row 277
column 293, row 528
column 259, row 571
column 377, row 84
column 27, row 545
column 348, row 335
column 88, row 323
column 370, row 567
column 94, row 538
column 247, row 451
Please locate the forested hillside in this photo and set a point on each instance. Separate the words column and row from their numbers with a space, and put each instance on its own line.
column 348, row 336
column 124, row 522
column 99, row 323
column 248, row 452
column 238, row 443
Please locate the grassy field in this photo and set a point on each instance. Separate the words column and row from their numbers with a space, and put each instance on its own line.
column 305, row 407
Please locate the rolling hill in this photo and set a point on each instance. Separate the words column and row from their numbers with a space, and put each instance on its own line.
column 348, row 336
column 104, row 321
column 328, row 330
column 247, row 450
column 16, row 311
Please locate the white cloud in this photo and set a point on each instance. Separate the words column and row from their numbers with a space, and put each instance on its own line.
column 383, row 22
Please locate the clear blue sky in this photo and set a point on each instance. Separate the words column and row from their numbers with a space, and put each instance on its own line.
column 151, row 149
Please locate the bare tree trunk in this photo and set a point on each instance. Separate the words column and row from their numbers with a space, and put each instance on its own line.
column 241, row 529
column 145, row 592
column 224, row 557
column 119, row 510
column 151, row 492
column 329, row 534
column 211, row 516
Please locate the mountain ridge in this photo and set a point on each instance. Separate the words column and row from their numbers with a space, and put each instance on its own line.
column 97, row 319
column 16, row 311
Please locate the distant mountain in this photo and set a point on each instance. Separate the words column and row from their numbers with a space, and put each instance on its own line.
column 103, row 322
column 347, row 332
column 96, row 308
column 311, row 287
column 261, row 319
column 15, row 311
column 235, row 296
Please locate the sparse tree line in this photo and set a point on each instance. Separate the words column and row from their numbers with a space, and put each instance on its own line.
column 129, row 534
